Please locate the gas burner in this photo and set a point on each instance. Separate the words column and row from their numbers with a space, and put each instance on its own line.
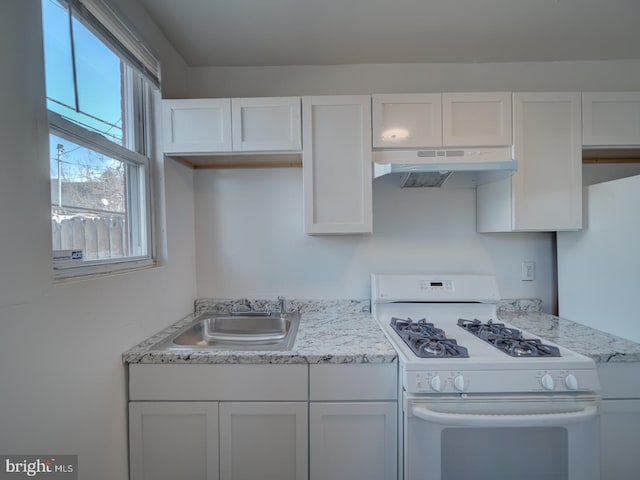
column 420, row 327
column 427, row 341
column 508, row 340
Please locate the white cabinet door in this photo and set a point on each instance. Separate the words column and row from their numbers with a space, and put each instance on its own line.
column 173, row 440
column 448, row 119
column 263, row 440
column 266, row 124
column 200, row 125
column 407, row 120
column 611, row 118
column 545, row 194
column 476, row 119
column 620, row 420
column 337, row 164
column 355, row 441
column 620, row 439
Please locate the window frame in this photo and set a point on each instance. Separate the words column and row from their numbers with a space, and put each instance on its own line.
column 137, row 160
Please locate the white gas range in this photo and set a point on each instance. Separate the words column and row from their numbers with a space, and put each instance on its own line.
column 471, row 381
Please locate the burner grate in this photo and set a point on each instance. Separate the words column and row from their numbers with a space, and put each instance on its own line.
column 508, row 340
column 426, row 340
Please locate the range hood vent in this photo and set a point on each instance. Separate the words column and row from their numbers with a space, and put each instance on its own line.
column 459, row 168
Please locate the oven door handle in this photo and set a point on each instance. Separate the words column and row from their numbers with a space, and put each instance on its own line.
column 505, row 420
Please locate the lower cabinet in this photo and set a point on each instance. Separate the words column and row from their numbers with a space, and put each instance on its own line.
column 218, row 440
column 263, row 440
column 353, row 422
column 252, row 422
column 620, row 420
column 353, row 441
column 173, row 440
column 620, row 437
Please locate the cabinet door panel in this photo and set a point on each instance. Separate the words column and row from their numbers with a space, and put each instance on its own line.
column 355, row 441
column 337, row 164
column 611, row 118
column 620, row 438
column 547, row 188
column 476, row 119
column 173, row 441
column 407, row 120
column 266, row 124
column 263, row 440
column 197, row 125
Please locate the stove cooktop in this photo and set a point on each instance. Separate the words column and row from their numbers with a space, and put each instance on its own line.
column 428, row 341
column 445, row 331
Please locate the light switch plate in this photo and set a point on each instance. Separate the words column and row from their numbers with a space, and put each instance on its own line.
column 528, row 271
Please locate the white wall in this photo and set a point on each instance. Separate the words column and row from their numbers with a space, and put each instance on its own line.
column 597, row 266
column 62, row 383
column 614, row 75
column 249, row 238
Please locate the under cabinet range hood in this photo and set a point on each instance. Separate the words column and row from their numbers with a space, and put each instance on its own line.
column 451, row 167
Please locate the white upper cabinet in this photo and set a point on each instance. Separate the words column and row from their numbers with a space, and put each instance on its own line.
column 611, row 119
column 337, row 164
column 476, row 119
column 437, row 120
column 223, row 125
column 405, row 121
column 266, row 124
column 198, row 125
column 545, row 194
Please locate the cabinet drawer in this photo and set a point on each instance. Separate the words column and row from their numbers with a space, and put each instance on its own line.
column 217, row 382
column 619, row 380
column 353, row 382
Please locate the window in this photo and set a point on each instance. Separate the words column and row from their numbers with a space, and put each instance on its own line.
column 99, row 78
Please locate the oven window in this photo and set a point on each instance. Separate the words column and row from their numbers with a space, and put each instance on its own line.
column 505, row 453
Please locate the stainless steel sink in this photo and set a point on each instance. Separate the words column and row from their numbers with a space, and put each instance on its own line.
column 236, row 331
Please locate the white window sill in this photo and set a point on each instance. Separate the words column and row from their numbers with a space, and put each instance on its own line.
column 98, row 268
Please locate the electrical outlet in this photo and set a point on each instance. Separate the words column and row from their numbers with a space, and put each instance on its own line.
column 528, row 271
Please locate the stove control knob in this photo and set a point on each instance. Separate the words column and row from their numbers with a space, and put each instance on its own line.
column 571, row 382
column 459, row 383
column 547, row 382
column 436, row 384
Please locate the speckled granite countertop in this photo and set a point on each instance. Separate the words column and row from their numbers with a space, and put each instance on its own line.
column 602, row 347
column 329, row 332
column 332, row 332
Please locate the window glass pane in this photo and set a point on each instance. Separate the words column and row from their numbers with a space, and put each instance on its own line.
column 88, row 201
column 99, row 74
column 57, row 55
column 99, row 202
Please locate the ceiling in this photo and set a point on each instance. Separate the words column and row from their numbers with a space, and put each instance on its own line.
column 324, row 32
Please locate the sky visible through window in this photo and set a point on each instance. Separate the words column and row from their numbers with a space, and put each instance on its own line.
column 94, row 100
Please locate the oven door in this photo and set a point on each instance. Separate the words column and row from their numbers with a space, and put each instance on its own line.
column 501, row 438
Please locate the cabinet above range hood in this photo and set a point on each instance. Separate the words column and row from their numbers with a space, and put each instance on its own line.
column 450, row 167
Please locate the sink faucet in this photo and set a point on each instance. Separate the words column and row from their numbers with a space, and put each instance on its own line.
column 282, row 305
column 243, row 306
